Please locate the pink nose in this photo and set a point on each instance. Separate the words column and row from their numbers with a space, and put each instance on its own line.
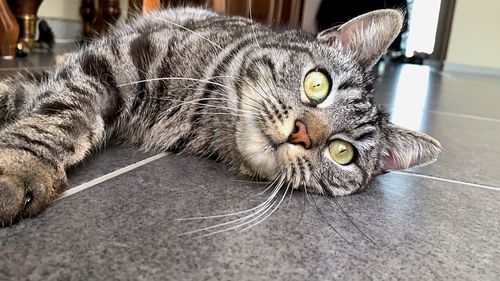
column 300, row 135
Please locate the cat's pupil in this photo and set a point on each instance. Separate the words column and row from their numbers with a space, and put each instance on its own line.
column 342, row 149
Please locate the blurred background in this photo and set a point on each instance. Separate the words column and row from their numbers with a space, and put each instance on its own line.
column 456, row 35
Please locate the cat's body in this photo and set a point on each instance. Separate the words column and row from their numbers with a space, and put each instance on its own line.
column 194, row 81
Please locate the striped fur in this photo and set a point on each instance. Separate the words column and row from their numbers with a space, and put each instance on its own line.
column 193, row 81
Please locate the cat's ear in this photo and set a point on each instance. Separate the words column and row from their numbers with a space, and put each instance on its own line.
column 406, row 148
column 367, row 36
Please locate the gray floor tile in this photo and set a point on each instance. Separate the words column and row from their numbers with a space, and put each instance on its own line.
column 470, row 148
column 412, row 88
column 126, row 229
column 470, row 144
column 36, row 60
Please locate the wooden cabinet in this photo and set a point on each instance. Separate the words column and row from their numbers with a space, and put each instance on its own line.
column 272, row 12
column 9, row 31
column 97, row 20
column 25, row 12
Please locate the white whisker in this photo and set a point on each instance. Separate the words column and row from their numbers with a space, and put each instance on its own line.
column 252, row 182
column 250, row 2
column 231, row 214
column 192, row 31
column 207, row 105
column 263, row 207
column 270, row 213
column 224, row 95
column 173, row 78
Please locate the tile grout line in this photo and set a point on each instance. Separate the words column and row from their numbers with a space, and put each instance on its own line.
column 475, row 117
column 111, row 175
column 490, row 187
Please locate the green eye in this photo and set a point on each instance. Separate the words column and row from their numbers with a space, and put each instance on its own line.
column 316, row 86
column 341, row 151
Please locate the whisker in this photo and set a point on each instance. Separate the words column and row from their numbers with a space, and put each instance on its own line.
column 250, row 2
column 183, row 78
column 207, row 105
column 344, row 213
column 220, row 113
column 237, row 79
column 351, row 220
column 255, row 216
column 269, row 214
column 192, row 31
column 240, row 79
column 264, row 191
column 254, row 182
column 326, row 220
column 262, row 212
column 235, row 213
column 223, row 96
column 173, row 78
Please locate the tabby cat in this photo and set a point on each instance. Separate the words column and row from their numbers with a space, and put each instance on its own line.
column 277, row 104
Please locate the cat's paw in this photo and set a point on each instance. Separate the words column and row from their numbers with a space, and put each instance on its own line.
column 27, row 185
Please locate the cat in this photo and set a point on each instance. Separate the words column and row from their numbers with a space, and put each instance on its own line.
column 281, row 105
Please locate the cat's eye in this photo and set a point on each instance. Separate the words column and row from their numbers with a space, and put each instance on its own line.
column 341, row 151
column 316, row 86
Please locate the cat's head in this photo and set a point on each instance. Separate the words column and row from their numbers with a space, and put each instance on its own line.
column 311, row 117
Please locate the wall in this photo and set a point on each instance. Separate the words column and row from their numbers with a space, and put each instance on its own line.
column 63, row 16
column 475, row 34
column 56, row 9
column 309, row 15
column 68, row 9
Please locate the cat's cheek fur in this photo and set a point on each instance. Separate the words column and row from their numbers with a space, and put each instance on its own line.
column 255, row 149
column 257, row 154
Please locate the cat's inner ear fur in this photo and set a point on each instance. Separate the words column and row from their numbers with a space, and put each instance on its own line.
column 368, row 36
column 405, row 148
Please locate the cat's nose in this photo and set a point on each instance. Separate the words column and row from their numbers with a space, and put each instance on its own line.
column 300, row 135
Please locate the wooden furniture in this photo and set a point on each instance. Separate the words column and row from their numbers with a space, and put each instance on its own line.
column 136, row 7
column 272, row 12
column 99, row 20
column 26, row 13
column 88, row 12
column 9, row 31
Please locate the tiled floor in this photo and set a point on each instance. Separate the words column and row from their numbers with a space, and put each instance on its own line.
column 440, row 222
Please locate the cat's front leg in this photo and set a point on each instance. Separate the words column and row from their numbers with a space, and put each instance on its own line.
column 35, row 151
column 27, row 184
